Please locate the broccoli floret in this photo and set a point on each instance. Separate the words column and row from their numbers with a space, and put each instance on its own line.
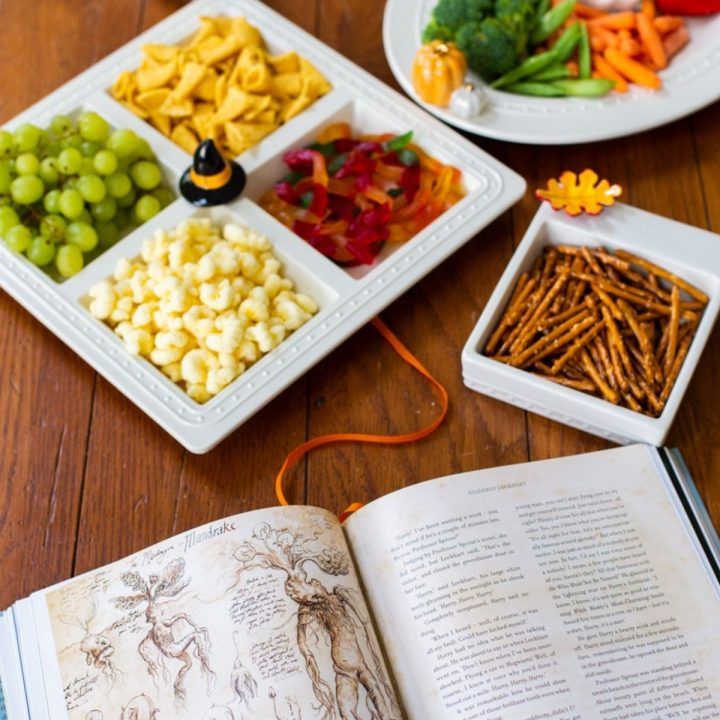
column 434, row 31
column 490, row 47
column 519, row 17
column 453, row 14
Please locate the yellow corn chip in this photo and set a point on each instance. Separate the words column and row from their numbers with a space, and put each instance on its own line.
column 256, row 79
column 235, row 104
column 207, row 29
column 205, row 89
column 316, row 84
column 160, row 53
column 287, row 63
column 152, row 100
column 192, row 74
column 121, row 84
column 293, row 107
column 183, row 136
column 241, row 135
column 221, row 88
column 256, row 105
column 286, row 86
column 155, row 76
column 219, row 52
column 176, row 109
column 161, row 122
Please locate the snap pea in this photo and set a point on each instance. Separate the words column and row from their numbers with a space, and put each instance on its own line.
column 541, row 89
column 556, row 71
column 584, row 56
column 551, row 21
column 584, row 87
column 542, row 8
column 565, row 45
column 532, row 65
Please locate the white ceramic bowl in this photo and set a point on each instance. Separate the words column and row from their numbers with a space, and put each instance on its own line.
column 689, row 252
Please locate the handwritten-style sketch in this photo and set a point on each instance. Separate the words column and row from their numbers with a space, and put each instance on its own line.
column 96, row 646
column 332, row 614
column 219, row 712
column 242, row 682
column 290, row 710
column 173, row 637
column 139, row 708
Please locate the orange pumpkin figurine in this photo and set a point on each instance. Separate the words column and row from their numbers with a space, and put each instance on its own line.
column 438, row 69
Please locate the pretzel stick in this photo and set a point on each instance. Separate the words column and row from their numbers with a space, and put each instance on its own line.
column 514, row 309
column 560, row 317
column 617, row 369
column 604, row 355
column 578, row 345
column 605, row 298
column 584, row 385
column 528, row 310
column 591, row 261
column 607, row 392
column 665, row 274
column 642, row 338
column 556, row 342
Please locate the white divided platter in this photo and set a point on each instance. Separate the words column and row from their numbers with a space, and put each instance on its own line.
column 689, row 83
column 347, row 298
column 688, row 252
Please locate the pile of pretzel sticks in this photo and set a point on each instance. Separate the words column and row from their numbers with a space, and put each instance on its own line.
column 614, row 325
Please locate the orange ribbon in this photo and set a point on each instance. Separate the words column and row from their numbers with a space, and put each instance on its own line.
column 305, row 447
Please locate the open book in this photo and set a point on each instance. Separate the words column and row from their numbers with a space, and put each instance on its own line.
column 579, row 588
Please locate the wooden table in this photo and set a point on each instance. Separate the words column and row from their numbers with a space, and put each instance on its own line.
column 86, row 478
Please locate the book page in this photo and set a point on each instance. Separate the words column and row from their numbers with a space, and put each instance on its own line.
column 259, row 615
column 566, row 589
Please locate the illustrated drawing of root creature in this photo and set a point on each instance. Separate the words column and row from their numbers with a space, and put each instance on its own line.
column 333, row 614
column 242, row 682
column 139, row 708
column 96, row 646
column 290, row 712
column 173, row 637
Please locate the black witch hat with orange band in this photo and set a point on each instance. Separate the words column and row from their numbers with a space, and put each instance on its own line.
column 212, row 180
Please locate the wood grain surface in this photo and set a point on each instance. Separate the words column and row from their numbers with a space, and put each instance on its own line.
column 86, row 477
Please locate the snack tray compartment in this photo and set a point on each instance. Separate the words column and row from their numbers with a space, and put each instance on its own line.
column 348, row 298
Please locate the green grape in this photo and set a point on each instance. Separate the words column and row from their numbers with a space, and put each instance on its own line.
column 85, row 217
column 27, row 164
column 60, row 124
column 71, row 141
column 105, row 209
column 87, row 167
column 105, row 163
column 69, row 260
column 118, row 184
column 92, row 188
column 146, row 207
column 53, row 228
column 144, row 151
column 71, row 204
column 49, row 172
column 5, row 177
column 92, row 127
column 40, row 252
column 82, row 235
column 26, row 138
column 53, row 149
column 26, row 189
column 51, row 201
column 146, row 175
column 8, row 218
column 18, row 238
column 6, row 144
column 89, row 149
column 123, row 143
column 108, row 234
column 128, row 200
column 165, row 196
column 122, row 218
column 70, row 161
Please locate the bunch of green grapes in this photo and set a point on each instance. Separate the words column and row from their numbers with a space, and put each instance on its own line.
column 69, row 192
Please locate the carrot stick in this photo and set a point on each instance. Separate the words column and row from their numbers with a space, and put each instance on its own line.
column 667, row 23
column 675, row 41
column 651, row 40
column 586, row 11
column 648, row 9
column 615, row 21
column 607, row 36
column 597, row 43
column 630, row 46
column 632, row 69
column 606, row 70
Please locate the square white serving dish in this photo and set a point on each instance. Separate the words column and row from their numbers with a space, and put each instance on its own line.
column 689, row 252
column 347, row 299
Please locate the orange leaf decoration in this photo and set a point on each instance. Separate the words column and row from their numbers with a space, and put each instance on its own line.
column 579, row 194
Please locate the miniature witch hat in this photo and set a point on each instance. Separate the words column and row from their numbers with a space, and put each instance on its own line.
column 211, row 180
